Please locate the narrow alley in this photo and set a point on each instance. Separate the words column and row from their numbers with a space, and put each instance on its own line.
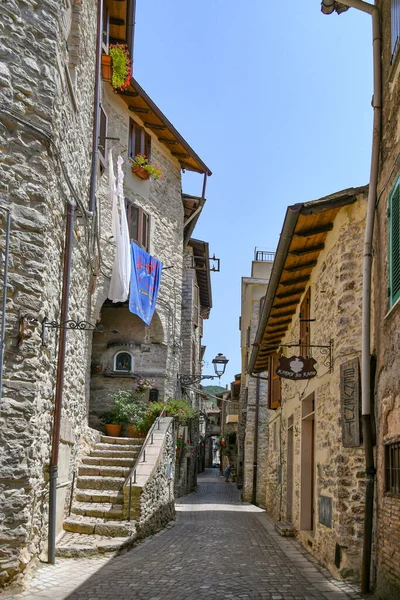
column 219, row 547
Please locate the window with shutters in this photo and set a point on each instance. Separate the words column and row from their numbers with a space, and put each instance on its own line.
column 274, row 383
column 395, row 25
column 392, row 467
column 305, row 325
column 138, row 225
column 139, row 141
column 394, row 243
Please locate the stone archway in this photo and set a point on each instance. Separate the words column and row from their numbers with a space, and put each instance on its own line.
column 144, row 345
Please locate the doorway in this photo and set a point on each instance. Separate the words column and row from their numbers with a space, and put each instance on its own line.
column 307, row 508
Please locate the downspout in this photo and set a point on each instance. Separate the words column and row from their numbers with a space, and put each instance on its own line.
column 4, row 303
column 366, row 299
column 96, row 120
column 53, row 469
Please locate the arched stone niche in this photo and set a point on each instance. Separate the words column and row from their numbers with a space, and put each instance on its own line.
column 118, row 359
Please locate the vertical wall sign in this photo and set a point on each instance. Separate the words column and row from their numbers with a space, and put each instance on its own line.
column 350, row 402
column 325, row 510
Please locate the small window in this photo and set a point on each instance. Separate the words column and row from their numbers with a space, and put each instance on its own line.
column 106, row 30
column 139, row 140
column 395, row 24
column 394, row 243
column 138, row 225
column 274, row 384
column 102, row 135
column 305, row 324
column 392, row 464
column 123, row 362
column 153, row 396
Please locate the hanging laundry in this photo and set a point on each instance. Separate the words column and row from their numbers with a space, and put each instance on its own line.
column 121, row 272
column 145, row 282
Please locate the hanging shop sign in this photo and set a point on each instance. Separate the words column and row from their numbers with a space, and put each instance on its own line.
column 296, row 367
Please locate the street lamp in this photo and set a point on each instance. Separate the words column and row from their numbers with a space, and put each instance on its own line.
column 219, row 362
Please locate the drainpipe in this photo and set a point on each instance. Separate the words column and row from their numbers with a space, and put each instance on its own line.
column 4, row 304
column 96, row 120
column 366, row 299
column 53, row 469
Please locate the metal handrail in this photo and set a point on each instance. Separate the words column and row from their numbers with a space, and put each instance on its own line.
column 149, row 436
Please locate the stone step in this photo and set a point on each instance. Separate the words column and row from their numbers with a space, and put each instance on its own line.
column 100, row 483
column 78, row 545
column 110, row 496
column 108, row 461
column 106, row 439
column 111, row 453
column 98, row 526
column 118, row 449
column 103, row 510
column 100, row 471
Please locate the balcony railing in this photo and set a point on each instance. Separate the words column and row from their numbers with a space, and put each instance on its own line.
column 264, row 255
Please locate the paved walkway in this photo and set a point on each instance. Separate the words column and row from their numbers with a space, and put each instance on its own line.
column 218, row 548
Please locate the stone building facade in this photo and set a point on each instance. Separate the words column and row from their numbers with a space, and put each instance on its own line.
column 387, row 316
column 254, row 412
column 47, row 81
column 315, row 460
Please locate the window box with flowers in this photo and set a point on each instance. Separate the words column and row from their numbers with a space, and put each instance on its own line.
column 116, row 67
column 144, row 169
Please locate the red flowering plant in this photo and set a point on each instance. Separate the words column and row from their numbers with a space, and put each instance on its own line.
column 121, row 66
column 155, row 171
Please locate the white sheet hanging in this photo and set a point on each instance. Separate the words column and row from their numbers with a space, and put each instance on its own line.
column 121, row 272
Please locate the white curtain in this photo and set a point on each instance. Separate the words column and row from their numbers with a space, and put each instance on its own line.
column 121, row 273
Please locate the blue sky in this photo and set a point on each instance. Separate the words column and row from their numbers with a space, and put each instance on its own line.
column 276, row 99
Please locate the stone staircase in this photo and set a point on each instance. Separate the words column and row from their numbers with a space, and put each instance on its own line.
column 96, row 524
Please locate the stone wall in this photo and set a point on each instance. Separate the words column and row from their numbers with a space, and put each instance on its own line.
column 387, row 324
column 152, row 504
column 338, row 472
column 40, row 101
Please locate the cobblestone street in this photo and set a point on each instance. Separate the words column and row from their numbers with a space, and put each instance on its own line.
column 218, row 548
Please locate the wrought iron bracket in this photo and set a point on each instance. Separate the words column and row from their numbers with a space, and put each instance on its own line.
column 325, row 350
column 191, row 379
column 74, row 325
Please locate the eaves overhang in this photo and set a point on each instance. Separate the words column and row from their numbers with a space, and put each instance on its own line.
column 140, row 103
column 303, row 236
column 202, row 266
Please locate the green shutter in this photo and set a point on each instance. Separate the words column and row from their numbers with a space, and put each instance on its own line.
column 394, row 243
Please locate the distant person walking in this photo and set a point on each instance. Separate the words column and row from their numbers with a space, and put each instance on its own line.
column 227, row 472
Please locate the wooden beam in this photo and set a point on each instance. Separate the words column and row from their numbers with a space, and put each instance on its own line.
column 288, row 296
column 285, row 313
column 285, row 304
column 307, row 265
column 139, row 109
column 294, row 281
column 314, row 231
column 168, row 141
column 180, row 155
column 126, row 93
column 118, row 22
column 155, row 126
column 309, row 250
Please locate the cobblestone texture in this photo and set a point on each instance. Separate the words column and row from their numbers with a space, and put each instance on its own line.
column 218, row 548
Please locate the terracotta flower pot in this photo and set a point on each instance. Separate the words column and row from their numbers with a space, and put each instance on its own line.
column 140, row 172
column 106, row 68
column 133, row 432
column 113, row 430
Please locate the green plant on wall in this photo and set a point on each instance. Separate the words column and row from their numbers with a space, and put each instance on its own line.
column 121, row 66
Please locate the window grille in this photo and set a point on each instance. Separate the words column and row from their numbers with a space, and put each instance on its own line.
column 392, row 463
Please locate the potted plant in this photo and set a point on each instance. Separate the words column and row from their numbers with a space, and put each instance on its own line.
column 114, row 418
column 116, row 66
column 113, row 421
column 144, row 169
column 135, row 413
